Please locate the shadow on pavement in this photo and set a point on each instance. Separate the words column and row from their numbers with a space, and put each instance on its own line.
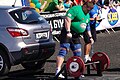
column 113, row 70
column 40, row 75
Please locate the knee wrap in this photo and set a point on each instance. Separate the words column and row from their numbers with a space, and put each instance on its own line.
column 62, row 53
column 76, row 48
column 77, row 53
column 64, row 49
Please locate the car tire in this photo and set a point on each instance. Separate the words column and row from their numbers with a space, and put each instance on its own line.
column 34, row 65
column 4, row 63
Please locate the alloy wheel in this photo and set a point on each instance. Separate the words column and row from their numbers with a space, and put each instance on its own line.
column 1, row 63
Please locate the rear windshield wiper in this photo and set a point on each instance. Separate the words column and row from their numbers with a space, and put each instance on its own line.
column 32, row 21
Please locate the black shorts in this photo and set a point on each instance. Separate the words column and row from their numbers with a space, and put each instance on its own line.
column 86, row 36
column 63, row 37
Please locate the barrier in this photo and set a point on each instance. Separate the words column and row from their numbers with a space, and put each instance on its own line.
column 110, row 15
column 111, row 19
column 55, row 19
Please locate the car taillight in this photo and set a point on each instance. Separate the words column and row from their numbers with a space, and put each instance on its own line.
column 16, row 32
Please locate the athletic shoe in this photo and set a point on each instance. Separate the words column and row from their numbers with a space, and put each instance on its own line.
column 87, row 59
column 61, row 76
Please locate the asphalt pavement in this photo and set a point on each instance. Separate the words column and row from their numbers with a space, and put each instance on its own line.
column 108, row 43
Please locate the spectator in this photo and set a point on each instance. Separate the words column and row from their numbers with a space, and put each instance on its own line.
column 37, row 5
column 68, row 4
column 101, row 4
column 55, row 5
column 113, row 3
column 76, row 22
column 116, row 1
column 25, row 2
column 77, row 2
column 90, row 34
column 43, row 5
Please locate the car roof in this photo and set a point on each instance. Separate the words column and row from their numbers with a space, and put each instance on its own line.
column 13, row 8
column 9, row 7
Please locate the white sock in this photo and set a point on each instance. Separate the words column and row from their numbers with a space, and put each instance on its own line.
column 86, row 56
column 58, row 70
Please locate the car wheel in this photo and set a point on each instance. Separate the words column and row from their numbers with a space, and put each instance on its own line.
column 34, row 65
column 4, row 63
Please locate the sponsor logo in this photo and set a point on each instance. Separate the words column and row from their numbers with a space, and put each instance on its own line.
column 83, row 25
column 112, row 16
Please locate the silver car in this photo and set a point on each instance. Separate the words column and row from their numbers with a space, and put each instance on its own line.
column 25, row 38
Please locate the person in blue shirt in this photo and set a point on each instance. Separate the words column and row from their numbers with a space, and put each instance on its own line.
column 25, row 2
column 90, row 34
column 68, row 4
column 101, row 4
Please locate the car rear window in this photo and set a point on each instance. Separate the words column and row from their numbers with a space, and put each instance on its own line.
column 6, row 19
column 27, row 16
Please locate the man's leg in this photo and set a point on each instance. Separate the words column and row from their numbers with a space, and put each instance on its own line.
column 76, row 48
column 87, row 49
column 88, row 44
column 60, row 57
column 59, row 63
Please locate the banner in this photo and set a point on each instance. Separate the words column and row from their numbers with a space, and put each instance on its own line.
column 110, row 18
column 55, row 19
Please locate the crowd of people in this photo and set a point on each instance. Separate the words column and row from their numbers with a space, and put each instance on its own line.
column 80, row 19
column 61, row 5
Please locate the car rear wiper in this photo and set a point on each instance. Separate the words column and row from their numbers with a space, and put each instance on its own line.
column 32, row 21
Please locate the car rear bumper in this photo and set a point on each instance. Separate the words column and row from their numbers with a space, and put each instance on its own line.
column 39, row 52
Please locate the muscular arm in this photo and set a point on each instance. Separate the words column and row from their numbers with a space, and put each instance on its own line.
column 89, row 34
column 67, row 23
column 88, row 30
column 67, row 26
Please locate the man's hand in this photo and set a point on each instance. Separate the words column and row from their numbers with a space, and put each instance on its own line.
column 92, row 41
column 69, row 35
